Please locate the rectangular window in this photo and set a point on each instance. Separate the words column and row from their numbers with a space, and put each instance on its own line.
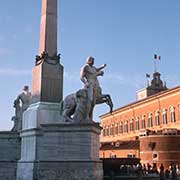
column 143, row 123
column 150, row 124
column 179, row 112
column 131, row 126
column 137, row 124
column 164, row 118
column 116, row 130
column 172, row 116
column 157, row 120
column 121, row 128
column 107, row 131
column 126, row 128
column 112, row 130
column 104, row 132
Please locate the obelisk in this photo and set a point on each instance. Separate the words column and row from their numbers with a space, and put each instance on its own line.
column 48, row 28
column 47, row 75
column 52, row 149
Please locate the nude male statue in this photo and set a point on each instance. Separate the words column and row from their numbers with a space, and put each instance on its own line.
column 88, row 76
column 21, row 103
column 78, row 107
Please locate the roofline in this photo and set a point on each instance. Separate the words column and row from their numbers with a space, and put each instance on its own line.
column 130, row 105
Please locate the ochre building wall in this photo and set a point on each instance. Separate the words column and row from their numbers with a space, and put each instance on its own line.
column 119, row 153
column 155, row 114
column 162, row 103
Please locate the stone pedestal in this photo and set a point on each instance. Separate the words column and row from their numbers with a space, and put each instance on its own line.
column 9, row 154
column 41, row 113
column 60, row 152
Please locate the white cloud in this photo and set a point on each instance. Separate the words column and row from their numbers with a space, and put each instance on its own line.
column 14, row 72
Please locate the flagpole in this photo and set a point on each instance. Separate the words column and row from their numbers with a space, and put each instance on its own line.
column 156, row 57
column 147, row 82
column 155, row 67
column 147, row 77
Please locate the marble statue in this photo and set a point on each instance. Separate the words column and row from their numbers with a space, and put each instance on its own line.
column 21, row 103
column 89, row 76
column 78, row 107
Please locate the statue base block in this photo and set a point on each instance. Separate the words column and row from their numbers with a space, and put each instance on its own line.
column 40, row 113
column 60, row 152
column 72, row 170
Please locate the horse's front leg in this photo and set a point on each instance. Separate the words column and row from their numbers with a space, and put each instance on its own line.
column 109, row 102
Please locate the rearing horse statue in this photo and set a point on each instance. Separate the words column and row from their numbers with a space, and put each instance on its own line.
column 80, row 105
column 105, row 98
column 75, row 107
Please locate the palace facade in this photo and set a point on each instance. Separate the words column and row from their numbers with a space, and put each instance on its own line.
column 148, row 128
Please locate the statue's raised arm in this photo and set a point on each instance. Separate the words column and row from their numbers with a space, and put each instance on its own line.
column 102, row 67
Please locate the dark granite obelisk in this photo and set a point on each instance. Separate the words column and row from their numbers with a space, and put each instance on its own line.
column 47, row 75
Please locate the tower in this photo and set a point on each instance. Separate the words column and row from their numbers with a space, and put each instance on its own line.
column 156, row 86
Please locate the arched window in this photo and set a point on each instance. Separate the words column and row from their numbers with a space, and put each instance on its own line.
column 132, row 125
column 150, row 123
column 164, row 116
column 104, row 131
column 126, row 126
column 137, row 123
column 157, row 118
column 107, row 131
column 116, row 129
column 172, row 114
column 112, row 130
column 179, row 112
column 121, row 127
column 143, row 122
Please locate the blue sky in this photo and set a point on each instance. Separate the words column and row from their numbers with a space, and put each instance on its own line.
column 124, row 34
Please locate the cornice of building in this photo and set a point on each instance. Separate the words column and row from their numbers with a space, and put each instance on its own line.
column 143, row 101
